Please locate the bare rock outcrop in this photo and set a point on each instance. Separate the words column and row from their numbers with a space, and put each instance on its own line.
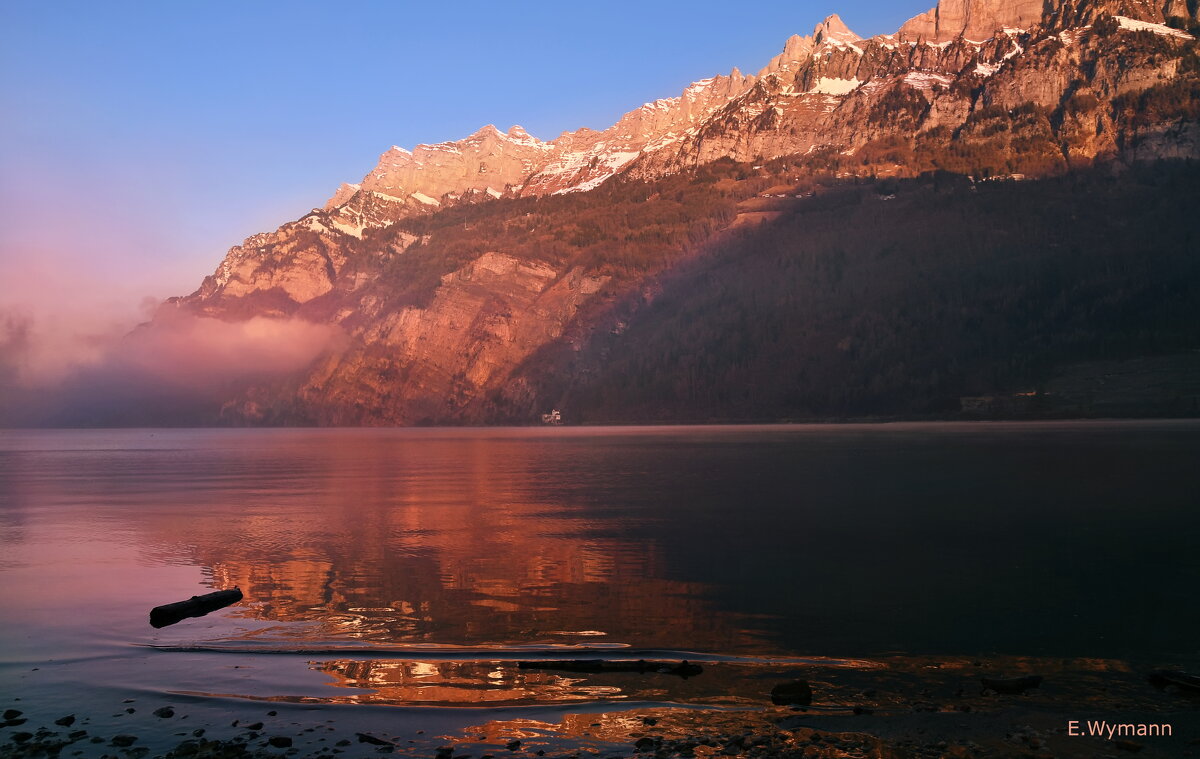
column 433, row 362
column 515, row 163
column 815, row 92
column 344, row 192
column 973, row 19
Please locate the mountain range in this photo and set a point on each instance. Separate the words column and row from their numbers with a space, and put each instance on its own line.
column 830, row 237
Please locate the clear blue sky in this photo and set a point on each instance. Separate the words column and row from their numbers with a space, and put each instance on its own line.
column 140, row 140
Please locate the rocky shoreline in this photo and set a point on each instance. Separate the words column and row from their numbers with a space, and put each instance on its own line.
column 911, row 709
column 1020, row 734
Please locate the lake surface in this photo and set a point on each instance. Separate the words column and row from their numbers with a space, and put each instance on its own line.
column 415, row 567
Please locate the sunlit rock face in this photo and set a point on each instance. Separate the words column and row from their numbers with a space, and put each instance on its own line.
column 420, row 364
column 972, row 19
column 835, row 91
column 431, row 337
column 492, row 163
column 820, row 90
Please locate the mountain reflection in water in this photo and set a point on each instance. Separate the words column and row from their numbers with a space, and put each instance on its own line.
column 447, row 541
column 420, row 565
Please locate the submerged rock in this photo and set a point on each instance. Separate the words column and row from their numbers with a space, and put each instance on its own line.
column 646, row 744
column 364, row 738
column 795, row 692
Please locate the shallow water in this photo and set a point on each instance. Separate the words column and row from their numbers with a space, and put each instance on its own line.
column 419, row 567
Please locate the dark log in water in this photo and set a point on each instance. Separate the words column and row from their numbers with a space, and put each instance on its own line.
column 196, row 606
column 682, row 669
column 1164, row 678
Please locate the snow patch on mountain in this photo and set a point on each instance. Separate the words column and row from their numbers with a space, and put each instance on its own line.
column 611, row 163
column 927, row 80
column 423, row 198
column 389, row 198
column 1134, row 25
column 354, row 230
column 831, row 86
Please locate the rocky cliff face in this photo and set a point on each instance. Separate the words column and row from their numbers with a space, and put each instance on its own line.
column 972, row 19
column 976, row 86
column 427, row 364
column 819, row 91
column 515, row 163
column 940, row 70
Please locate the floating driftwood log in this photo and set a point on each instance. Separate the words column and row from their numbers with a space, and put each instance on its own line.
column 196, row 606
column 682, row 669
column 1164, row 678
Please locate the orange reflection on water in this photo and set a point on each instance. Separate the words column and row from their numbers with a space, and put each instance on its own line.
column 460, row 683
column 437, row 540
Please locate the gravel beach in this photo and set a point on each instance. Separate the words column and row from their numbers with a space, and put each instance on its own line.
column 902, row 708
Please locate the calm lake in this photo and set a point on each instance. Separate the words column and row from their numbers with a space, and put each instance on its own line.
column 415, row 566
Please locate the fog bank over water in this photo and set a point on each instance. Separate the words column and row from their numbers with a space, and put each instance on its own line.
column 58, row 372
